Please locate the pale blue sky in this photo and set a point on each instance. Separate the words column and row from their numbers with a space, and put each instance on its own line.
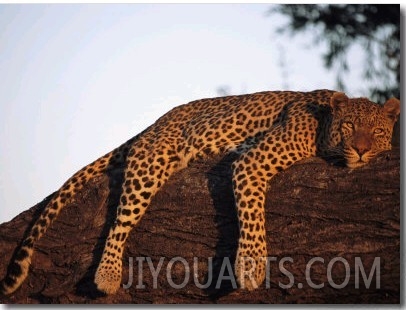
column 78, row 80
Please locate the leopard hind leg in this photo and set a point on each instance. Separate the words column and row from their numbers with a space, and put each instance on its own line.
column 145, row 174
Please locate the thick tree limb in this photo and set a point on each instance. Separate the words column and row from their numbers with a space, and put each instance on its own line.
column 314, row 211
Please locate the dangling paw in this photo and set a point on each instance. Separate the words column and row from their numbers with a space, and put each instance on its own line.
column 108, row 279
column 250, row 272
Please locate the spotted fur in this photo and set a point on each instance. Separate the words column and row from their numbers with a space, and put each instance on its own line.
column 270, row 130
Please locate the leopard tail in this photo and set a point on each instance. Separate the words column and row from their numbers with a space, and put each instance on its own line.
column 20, row 262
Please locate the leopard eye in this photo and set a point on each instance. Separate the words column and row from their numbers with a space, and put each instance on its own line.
column 377, row 131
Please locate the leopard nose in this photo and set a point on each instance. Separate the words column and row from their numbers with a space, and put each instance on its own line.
column 361, row 149
column 361, row 143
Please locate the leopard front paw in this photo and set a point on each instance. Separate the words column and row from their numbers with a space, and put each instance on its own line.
column 250, row 272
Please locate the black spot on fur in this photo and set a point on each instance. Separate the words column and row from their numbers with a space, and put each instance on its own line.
column 21, row 255
column 123, row 200
column 148, row 184
column 123, row 236
column 9, row 281
column 279, row 168
column 15, row 269
column 128, row 223
column 146, row 195
column 126, row 212
column 137, row 185
column 118, row 236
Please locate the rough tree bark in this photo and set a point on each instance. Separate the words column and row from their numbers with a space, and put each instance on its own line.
column 316, row 212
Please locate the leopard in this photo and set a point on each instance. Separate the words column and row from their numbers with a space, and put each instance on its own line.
column 269, row 131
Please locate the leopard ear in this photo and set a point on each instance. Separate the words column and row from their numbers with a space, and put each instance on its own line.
column 338, row 102
column 392, row 108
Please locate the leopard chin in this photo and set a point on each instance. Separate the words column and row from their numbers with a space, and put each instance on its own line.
column 356, row 161
column 356, row 164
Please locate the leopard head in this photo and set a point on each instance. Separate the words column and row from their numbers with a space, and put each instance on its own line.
column 362, row 128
